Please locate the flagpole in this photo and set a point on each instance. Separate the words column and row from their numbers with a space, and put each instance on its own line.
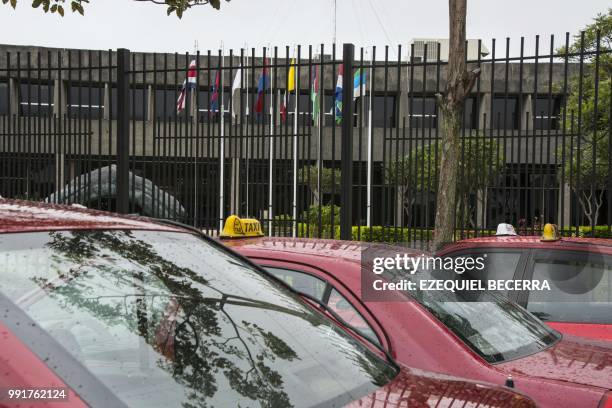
column 369, row 165
column 270, row 153
column 222, row 147
column 247, row 116
column 295, row 144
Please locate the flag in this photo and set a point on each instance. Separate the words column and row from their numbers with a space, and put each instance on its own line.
column 314, row 96
column 283, row 108
column 237, row 84
column 359, row 83
column 262, row 86
column 214, row 99
column 290, row 87
column 189, row 83
column 338, row 113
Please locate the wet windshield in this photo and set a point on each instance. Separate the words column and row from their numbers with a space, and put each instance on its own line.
column 491, row 325
column 166, row 319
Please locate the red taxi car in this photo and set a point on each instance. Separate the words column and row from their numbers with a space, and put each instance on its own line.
column 106, row 311
column 578, row 270
column 492, row 340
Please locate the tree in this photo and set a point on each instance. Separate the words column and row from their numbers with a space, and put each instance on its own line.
column 459, row 82
column 57, row 6
column 480, row 160
column 586, row 158
column 330, row 181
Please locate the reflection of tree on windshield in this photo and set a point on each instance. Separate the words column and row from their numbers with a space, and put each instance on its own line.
column 200, row 346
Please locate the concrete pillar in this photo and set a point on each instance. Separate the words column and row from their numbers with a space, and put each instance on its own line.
column 13, row 96
column 235, row 187
column 399, row 206
column 484, row 111
column 526, row 119
column 481, row 208
column 60, row 98
column 107, row 101
column 149, row 102
column 565, row 199
column 60, row 177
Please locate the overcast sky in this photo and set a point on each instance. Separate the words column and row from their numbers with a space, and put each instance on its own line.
column 140, row 26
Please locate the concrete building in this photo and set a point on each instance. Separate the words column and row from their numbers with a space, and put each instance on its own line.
column 50, row 93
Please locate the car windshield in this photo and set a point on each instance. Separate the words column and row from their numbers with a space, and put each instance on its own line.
column 494, row 327
column 168, row 319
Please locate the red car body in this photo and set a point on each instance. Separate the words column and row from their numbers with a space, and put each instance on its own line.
column 578, row 321
column 23, row 367
column 571, row 373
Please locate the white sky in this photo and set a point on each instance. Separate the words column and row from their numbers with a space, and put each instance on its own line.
column 140, row 26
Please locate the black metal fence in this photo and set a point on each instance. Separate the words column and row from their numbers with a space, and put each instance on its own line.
column 271, row 134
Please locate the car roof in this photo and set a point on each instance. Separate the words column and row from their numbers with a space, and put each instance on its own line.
column 30, row 216
column 533, row 241
column 350, row 251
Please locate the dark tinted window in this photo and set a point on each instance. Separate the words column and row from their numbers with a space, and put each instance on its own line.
column 380, row 117
column 423, row 112
column 86, row 102
column 4, row 98
column 580, row 289
column 505, row 114
column 167, row 319
column 546, row 112
column 36, row 99
column 137, row 103
column 470, row 113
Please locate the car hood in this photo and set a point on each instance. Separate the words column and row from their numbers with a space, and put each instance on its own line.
column 416, row 388
column 571, row 359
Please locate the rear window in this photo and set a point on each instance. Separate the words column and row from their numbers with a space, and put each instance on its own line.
column 167, row 319
column 580, row 287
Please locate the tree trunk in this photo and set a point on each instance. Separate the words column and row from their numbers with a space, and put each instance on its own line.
column 451, row 102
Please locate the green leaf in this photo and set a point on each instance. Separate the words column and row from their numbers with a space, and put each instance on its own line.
column 46, row 5
column 54, row 8
column 36, row 3
column 170, row 10
column 60, row 10
column 14, row 4
column 216, row 4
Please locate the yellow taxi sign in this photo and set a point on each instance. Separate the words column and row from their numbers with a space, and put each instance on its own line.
column 550, row 233
column 236, row 227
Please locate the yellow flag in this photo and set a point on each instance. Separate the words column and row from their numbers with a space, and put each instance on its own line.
column 291, row 76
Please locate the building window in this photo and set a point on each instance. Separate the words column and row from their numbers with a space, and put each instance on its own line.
column 137, row 103
column 380, row 117
column 86, row 102
column 4, row 98
column 505, row 113
column 422, row 112
column 164, row 103
column 546, row 112
column 36, row 99
column 470, row 113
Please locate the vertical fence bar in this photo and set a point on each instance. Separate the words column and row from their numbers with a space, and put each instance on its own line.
column 348, row 52
column 123, row 130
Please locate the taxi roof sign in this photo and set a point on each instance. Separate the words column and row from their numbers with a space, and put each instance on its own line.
column 236, row 227
column 550, row 233
column 505, row 229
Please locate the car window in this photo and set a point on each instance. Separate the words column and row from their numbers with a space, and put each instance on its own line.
column 580, row 288
column 301, row 282
column 498, row 265
column 314, row 286
column 167, row 319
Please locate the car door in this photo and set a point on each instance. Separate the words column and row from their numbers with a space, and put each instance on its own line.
column 328, row 291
